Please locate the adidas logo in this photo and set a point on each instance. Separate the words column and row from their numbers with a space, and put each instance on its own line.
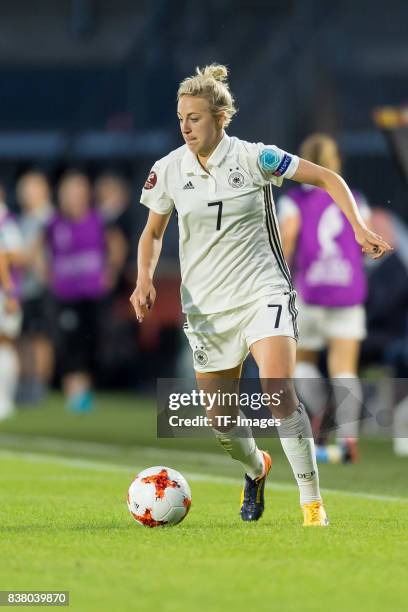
column 189, row 185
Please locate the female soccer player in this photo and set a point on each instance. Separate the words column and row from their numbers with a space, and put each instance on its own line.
column 236, row 289
column 328, row 271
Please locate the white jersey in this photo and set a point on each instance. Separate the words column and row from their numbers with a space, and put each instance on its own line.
column 230, row 248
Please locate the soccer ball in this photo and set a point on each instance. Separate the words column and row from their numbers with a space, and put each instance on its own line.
column 159, row 496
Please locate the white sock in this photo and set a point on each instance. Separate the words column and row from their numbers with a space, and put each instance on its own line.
column 297, row 441
column 349, row 398
column 239, row 443
column 311, row 387
column 9, row 370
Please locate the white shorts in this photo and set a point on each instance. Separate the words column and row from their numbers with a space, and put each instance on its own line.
column 221, row 341
column 10, row 323
column 317, row 324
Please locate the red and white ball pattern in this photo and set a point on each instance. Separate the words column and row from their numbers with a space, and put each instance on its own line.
column 159, row 496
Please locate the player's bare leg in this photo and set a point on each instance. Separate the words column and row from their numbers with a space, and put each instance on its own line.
column 276, row 358
column 211, row 381
column 238, row 442
column 343, row 356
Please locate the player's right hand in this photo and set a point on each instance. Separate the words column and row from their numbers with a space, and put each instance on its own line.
column 371, row 243
column 143, row 298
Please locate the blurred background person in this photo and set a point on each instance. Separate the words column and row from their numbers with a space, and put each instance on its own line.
column 328, row 272
column 387, row 301
column 11, row 247
column 386, row 347
column 112, row 199
column 119, row 342
column 35, row 345
column 78, row 280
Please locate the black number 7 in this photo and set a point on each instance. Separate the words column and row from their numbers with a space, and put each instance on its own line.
column 219, row 204
column 278, row 314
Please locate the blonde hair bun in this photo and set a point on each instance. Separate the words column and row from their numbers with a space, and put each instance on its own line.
column 216, row 71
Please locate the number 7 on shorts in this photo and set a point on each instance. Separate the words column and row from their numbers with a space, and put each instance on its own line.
column 278, row 313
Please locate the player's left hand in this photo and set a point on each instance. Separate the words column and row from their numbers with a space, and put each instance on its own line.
column 371, row 243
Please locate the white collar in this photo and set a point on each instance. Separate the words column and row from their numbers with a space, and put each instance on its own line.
column 191, row 165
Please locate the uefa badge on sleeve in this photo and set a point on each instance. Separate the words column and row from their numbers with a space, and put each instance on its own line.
column 269, row 160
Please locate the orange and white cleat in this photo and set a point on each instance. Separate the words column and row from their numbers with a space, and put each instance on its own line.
column 252, row 495
column 314, row 515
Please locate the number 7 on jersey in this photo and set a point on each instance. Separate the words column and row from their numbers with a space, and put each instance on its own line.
column 219, row 204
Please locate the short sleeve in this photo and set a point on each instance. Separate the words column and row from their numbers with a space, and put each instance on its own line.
column 286, row 207
column 276, row 164
column 269, row 164
column 154, row 193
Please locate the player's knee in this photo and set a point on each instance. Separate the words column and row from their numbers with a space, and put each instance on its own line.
column 282, row 393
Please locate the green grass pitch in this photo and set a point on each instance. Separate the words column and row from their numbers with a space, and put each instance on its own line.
column 65, row 525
